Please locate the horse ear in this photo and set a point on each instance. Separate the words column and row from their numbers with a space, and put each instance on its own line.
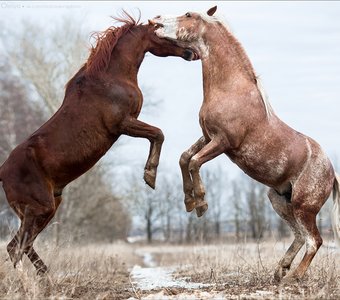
column 212, row 10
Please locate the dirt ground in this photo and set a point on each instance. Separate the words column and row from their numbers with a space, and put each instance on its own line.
column 220, row 271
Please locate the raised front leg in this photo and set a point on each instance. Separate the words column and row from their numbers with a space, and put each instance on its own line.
column 184, row 161
column 208, row 152
column 136, row 128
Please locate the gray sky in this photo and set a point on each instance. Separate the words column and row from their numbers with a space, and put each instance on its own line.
column 294, row 47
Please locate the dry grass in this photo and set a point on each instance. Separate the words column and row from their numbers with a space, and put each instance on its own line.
column 245, row 271
column 89, row 272
column 236, row 271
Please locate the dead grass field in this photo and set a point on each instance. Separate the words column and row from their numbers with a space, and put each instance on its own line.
column 87, row 272
column 230, row 271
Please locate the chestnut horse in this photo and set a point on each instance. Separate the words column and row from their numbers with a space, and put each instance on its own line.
column 237, row 120
column 102, row 101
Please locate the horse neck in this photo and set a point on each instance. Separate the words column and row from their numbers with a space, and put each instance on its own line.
column 233, row 67
column 129, row 53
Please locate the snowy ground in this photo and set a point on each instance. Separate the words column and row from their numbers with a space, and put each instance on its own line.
column 152, row 277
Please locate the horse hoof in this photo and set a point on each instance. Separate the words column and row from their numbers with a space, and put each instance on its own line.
column 190, row 204
column 290, row 279
column 150, row 178
column 201, row 209
column 280, row 273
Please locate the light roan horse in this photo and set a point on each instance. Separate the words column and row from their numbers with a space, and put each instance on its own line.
column 102, row 101
column 237, row 119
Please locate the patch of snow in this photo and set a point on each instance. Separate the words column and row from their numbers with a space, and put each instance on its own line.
column 160, row 277
column 264, row 293
column 147, row 258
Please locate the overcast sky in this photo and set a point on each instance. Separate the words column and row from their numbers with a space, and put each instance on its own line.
column 294, row 47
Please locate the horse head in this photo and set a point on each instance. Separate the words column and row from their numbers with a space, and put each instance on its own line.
column 164, row 47
column 187, row 30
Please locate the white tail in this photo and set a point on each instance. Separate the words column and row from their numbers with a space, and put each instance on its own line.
column 336, row 209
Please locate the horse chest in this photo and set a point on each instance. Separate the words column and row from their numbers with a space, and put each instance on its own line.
column 127, row 95
column 216, row 121
column 207, row 118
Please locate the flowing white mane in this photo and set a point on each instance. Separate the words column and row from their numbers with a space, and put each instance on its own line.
column 221, row 20
column 264, row 96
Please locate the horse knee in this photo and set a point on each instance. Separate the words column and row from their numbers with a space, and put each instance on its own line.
column 194, row 164
column 184, row 159
column 159, row 137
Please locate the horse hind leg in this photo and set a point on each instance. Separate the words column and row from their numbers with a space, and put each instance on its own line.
column 285, row 211
column 31, row 253
column 16, row 249
column 313, row 243
column 34, row 218
column 309, row 194
column 306, row 219
column 13, row 249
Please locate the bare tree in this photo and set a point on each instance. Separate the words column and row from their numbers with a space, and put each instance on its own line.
column 215, row 182
column 238, row 208
column 143, row 204
column 46, row 58
column 167, row 189
column 257, row 204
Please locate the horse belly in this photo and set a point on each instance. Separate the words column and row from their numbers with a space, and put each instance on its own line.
column 64, row 162
column 264, row 167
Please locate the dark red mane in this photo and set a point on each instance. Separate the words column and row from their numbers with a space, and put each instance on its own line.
column 105, row 42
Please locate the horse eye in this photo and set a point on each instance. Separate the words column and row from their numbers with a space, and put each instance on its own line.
column 188, row 15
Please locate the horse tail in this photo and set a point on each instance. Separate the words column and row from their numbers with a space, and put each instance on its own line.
column 336, row 209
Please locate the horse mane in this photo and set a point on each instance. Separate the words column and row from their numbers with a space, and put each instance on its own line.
column 106, row 40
